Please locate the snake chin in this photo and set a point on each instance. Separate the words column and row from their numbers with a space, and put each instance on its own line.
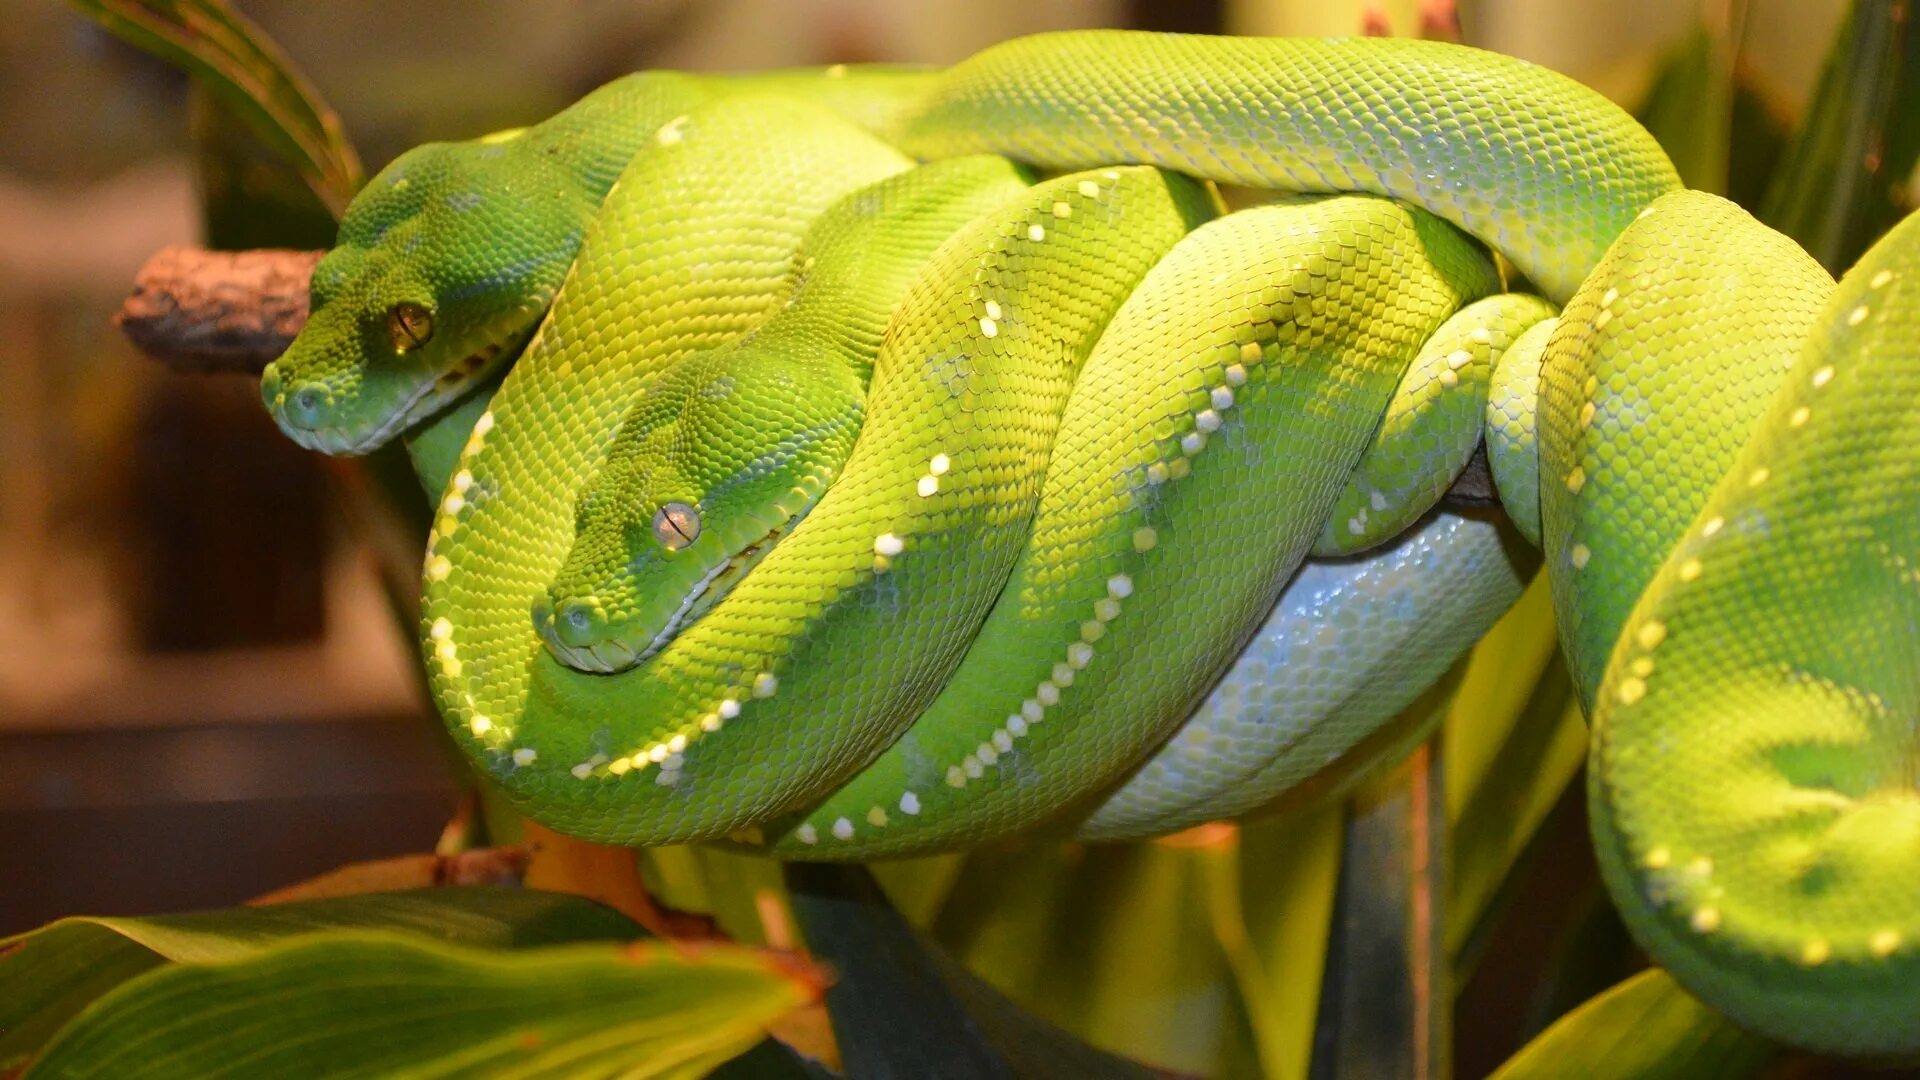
column 610, row 654
column 419, row 403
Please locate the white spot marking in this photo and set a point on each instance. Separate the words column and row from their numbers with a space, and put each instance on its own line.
column 888, row 544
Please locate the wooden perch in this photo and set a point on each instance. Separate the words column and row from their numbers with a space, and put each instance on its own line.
column 209, row 311
column 199, row 310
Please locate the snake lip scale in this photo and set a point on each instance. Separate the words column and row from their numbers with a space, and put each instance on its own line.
column 1090, row 488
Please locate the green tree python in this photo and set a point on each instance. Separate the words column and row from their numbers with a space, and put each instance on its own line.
column 896, row 460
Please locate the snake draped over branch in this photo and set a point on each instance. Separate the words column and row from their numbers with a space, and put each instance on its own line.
column 895, row 460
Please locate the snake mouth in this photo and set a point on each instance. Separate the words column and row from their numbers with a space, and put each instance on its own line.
column 420, row 402
column 610, row 655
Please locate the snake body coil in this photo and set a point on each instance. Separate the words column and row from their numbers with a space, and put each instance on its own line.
column 1055, row 582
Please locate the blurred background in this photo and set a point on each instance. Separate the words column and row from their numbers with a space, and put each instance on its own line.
column 203, row 693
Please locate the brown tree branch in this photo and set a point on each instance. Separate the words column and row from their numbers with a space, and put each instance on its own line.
column 206, row 311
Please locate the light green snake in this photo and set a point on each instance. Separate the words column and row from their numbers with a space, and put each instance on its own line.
column 852, row 509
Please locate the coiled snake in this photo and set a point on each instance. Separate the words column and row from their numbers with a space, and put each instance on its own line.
column 852, row 508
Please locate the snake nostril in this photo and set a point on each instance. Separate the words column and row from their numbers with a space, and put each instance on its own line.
column 576, row 624
column 307, row 404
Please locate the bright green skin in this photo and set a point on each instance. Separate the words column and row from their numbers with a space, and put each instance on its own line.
column 800, row 380
column 1431, row 427
column 1753, row 776
column 1762, row 767
column 479, row 234
column 1231, row 397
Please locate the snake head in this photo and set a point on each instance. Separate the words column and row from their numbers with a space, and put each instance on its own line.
column 444, row 265
column 721, row 456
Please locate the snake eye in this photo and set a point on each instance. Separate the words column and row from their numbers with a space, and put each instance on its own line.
column 409, row 325
column 676, row 525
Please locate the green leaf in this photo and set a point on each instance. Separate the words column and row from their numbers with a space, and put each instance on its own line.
column 1646, row 1028
column 1840, row 185
column 1514, row 739
column 1690, row 107
column 1270, row 900
column 49, row 975
column 249, row 74
column 901, row 1008
column 378, row 1003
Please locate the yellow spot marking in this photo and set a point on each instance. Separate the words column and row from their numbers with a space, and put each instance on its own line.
column 1092, row 631
column 1579, row 556
column 1700, row 867
column 877, row 817
column 1799, row 417
column 765, row 684
column 1449, row 379
column 1080, row 654
column 837, row 71
column 1706, row 920
column 1601, row 320
column 1690, row 569
column 1879, row 280
column 1090, row 189
column 670, row 132
column 1658, row 858
column 1250, row 352
column 526, row 755
column 1758, row 476
column 462, row 480
column 445, row 650
column 1815, row 952
column 1713, row 525
column 1106, row 610
column 1651, row 634
column 438, row 568
column 1857, row 315
column 1631, row 690
column 1144, row 538
column 479, row 725
column 1459, row 358
column 1823, row 376
column 956, row 778
column 1586, row 414
column 1576, row 479
column 498, row 137
column 1642, row 666
column 620, row 766
column 1157, row 473
column 1608, row 299
column 1886, row 941
column 1062, row 210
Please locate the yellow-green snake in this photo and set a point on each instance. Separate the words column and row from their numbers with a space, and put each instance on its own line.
column 853, row 508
